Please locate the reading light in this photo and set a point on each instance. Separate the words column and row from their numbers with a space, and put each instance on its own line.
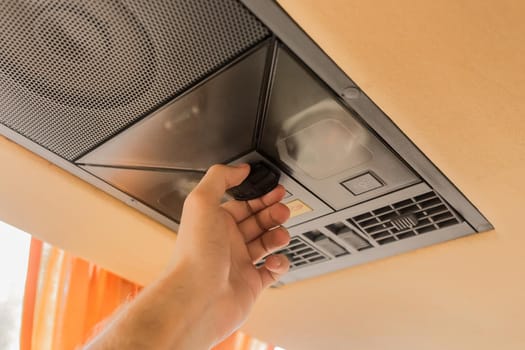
column 324, row 148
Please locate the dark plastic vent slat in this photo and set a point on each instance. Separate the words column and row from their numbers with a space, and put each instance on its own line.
column 424, row 196
column 441, row 216
column 370, row 222
column 381, row 234
column 447, row 223
column 387, row 240
column 430, row 202
column 295, row 245
column 363, row 216
column 435, row 210
column 317, row 258
column 404, row 203
column 378, row 228
column 425, row 229
column 406, row 234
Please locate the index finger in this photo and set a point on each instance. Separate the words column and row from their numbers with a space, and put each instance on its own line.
column 241, row 210
column 220, row 178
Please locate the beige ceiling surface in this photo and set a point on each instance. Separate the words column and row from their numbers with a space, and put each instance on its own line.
column 451, row 74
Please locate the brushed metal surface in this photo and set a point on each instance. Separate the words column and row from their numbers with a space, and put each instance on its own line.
column 321, row 143
column 164, row 191
column 211, row 124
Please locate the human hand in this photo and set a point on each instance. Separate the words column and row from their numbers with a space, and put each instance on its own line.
column 212, row 284
column 220, row 243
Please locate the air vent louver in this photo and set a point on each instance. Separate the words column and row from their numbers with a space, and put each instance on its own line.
column 300, row 254
column 327, row 244
column 407, row 218
column 348, row 235
column 342, row 239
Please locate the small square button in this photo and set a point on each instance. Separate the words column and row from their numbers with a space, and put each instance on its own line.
column 362, row 183
column 297, row 207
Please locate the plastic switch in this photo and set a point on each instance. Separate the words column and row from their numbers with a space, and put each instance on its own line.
column 261, row 180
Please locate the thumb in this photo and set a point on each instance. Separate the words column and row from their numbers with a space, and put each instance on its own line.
column 219, row 178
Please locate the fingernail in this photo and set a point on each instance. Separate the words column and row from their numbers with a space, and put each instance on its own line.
column 276, row 262
column 242, row 165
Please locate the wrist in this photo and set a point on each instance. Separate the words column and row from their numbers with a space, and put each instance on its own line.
column 190, row 304
column 171, row 313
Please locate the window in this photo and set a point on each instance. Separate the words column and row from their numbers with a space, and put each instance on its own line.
column 14, row 252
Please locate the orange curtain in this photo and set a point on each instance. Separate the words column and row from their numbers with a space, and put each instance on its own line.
column 67, row 300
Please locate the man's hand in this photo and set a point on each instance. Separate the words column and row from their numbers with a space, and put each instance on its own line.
column 212, row 284
column 222, row 242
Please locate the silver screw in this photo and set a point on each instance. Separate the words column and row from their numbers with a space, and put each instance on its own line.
column 351, row 93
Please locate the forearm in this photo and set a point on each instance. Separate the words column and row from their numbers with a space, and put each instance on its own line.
column 169, row 314
column 214, row 282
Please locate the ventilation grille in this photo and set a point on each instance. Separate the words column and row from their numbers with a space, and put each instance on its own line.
column 407, row 218
column 300, row 254
column 343, row 238
column 347, row 238
column 74, row 73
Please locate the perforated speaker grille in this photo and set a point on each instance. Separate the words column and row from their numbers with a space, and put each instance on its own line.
column 73, row 73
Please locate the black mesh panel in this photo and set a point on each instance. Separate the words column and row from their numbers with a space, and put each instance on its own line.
column 74, row 73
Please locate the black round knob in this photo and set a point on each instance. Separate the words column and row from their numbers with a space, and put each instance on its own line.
column 261, row 180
